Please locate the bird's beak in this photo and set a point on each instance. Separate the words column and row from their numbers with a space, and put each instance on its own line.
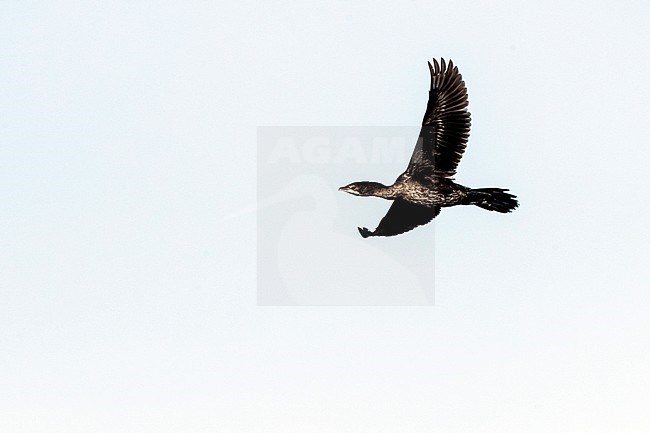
column 348, row 190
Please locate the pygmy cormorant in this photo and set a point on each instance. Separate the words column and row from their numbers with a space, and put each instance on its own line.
column 427, row 185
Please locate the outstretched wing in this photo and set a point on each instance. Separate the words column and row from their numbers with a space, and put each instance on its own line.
column 446, row 124
column 400, row 218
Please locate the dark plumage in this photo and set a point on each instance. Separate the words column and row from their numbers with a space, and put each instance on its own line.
column 427, row 185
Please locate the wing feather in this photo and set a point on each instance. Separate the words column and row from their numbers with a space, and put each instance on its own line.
column 400, row 218
column 446, row 123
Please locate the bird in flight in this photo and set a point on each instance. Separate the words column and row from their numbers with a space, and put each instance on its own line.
column 427, row 185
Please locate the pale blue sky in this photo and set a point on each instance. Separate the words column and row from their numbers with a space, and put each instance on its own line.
column 128, row 299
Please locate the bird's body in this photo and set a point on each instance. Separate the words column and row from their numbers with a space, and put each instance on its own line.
column 427, row 185
column 430, row 192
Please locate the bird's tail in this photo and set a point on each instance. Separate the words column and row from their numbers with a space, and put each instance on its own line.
column 495, row 199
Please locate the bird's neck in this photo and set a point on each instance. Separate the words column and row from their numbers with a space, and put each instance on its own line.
column 387, row 192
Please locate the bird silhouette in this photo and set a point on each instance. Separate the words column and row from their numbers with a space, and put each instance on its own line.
column 427, row 185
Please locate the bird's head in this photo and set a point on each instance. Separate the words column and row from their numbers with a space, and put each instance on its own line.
column 362, row 188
